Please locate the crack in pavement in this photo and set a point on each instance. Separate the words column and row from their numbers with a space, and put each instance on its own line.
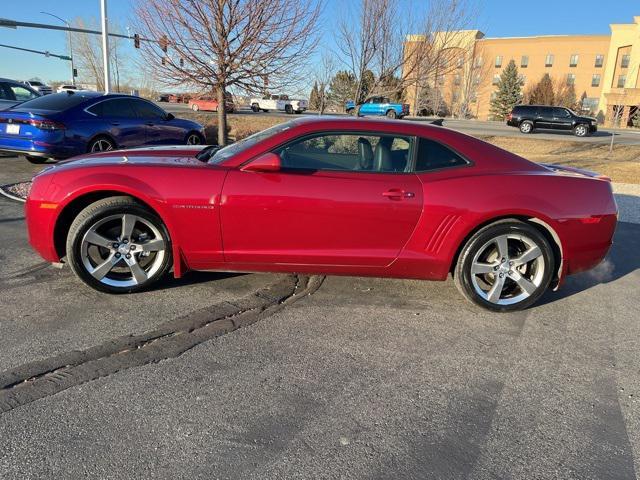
column 32, row 381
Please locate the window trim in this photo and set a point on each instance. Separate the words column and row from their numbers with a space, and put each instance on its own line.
column 411, row 157
column 123, row 97
column 468, row 163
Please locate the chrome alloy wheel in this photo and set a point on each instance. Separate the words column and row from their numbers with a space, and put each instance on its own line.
column 525, row 127
column 101, row 145
column 507, row 269
column 193, row 139
column 122, row 250
column 581, row 130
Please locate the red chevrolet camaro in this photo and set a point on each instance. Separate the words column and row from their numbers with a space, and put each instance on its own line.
column 327, row 195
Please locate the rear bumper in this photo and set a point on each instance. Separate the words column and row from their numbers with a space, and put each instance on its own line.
column 36, row 148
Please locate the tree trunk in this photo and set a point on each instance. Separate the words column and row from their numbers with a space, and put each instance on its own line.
column 222, row 117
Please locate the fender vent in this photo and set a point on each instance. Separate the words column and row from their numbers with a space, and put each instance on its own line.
column 437, row 239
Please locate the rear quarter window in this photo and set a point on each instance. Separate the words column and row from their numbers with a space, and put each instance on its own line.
column 433, row 155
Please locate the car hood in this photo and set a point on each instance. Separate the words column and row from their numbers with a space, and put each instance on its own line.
column 161, row 156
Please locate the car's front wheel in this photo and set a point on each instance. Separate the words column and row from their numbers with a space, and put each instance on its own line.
column 195, row 107
column 505, row 266
column 117, row 245
column 255, row 108
column 581, row 130
column 526, row 127
column 392, row 114
column 194, row 139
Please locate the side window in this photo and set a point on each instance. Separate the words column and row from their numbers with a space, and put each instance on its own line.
column 433, row 155
column 364, row 152
column 147, row 110
column 560, row 113
column 118, row 107
column 21, row 93
column 5, row 94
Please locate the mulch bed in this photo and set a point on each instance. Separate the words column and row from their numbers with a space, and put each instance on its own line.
column 20, row 190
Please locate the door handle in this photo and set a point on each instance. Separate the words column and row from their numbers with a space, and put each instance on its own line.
column 115, row 123
column 397, row 194
column 151, row 124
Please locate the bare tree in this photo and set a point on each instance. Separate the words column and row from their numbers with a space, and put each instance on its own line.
column 87, row 53
column 323, row 77
column 215, row 45
column 372, row 39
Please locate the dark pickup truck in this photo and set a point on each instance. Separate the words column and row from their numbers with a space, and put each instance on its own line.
column 531, row 117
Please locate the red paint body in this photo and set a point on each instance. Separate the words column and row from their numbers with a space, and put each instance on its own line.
column 336, row 222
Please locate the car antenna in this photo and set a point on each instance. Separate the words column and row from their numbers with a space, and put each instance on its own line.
column 438, row 122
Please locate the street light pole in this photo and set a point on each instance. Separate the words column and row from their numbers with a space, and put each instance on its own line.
column 105, row 46
column 73, row 77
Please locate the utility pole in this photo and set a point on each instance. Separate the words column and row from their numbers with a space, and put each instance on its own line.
column 73, row 70
column 105, row 46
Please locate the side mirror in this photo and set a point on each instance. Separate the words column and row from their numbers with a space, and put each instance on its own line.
column 267, row 162
column 170, row 116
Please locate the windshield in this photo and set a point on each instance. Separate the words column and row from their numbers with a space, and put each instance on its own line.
column 241, row 145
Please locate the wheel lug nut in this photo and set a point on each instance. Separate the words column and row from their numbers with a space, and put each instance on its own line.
column 125, row 241
column 132, row 247
column 501, row 275
column 511, row 263
column 510, row 272
column 117, row 255
column 115, row 245
column 496, row 267
column 128, row 255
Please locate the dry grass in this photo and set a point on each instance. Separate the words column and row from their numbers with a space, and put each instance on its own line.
column 622, row 165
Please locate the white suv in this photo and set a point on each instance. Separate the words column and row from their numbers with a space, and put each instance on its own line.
column 39, row 87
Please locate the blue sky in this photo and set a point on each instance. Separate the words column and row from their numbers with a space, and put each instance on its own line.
column 497, row 18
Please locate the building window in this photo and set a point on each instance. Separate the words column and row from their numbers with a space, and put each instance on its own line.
column 548, row 60
column 523, row 78
column 573, row 61
column 496, row 79
column 478, row 62
column 624, row 62
column 595, row 80
column 476, row 79
column 460, row 62
column 622, row 79
column 599, row 61
column 571, row 79
column 440, row 80
column 494, row 95
column 456, row 79
column 455, row 97
column 524, row 61
column 590, row 104
column 499, row 61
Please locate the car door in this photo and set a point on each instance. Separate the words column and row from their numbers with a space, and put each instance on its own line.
column 6, row 97
column 116, row 117
column 562, row 119
column 368, row 107
column 544, row 117
column 338, row 199
column 158, row 128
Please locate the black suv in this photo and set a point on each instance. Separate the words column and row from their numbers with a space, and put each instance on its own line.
column 529, row 117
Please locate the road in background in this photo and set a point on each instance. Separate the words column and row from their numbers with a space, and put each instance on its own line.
column 470, row 127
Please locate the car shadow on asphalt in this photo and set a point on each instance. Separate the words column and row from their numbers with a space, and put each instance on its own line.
column 622, row 259
column 193, row 278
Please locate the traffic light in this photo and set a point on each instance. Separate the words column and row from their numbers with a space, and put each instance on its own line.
column 136, row 40
column 75, row 72
column 181, row 62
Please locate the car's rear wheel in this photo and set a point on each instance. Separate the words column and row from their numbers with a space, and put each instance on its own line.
column 505, row 266
column 255, row 107
column 392, row 114
column 116, row 245
column 288, row 109
column 526, row 127
column 36, row 160
column 581, row 130
column 194, row 138
column 195, row 107
column 101, row 144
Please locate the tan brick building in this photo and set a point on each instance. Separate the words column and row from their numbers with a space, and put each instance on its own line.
column 605, row 67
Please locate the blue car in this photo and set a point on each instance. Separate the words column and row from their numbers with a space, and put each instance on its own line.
column 62, row 125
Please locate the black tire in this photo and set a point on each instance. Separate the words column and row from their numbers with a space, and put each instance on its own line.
column 541, row 273
column 98, row 145
column 255, row 108
column 581, row 130
column 526, row 127
column 102, row 210
column 36, row 160
column 288, row 109
column 265, row 110
column 351, row 111
column 298, row 112
column 188, row 139
column 391, row 114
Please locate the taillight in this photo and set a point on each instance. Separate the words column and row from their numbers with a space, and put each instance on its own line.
column 47, row 125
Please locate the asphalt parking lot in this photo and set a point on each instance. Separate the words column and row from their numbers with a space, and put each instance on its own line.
column 275, row 376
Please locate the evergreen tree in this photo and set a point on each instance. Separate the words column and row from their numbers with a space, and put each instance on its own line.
column 580, row 105
column 566, row 97
column 543, row 92
column 509, row 92
column 314, row 97
column 342, row 88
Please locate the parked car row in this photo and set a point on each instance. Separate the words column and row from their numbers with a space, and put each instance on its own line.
column 62, row 125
